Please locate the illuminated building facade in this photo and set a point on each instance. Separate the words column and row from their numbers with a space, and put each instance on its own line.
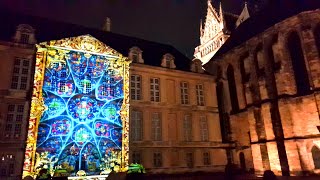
column 268, row 89
column 215, row 30
column 174, row 124
column 79, row 109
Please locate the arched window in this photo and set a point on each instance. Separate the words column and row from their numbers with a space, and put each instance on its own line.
column 232, row 89
column 316, row 33
column 298, row 64
column 316, row 157
column 276, row 65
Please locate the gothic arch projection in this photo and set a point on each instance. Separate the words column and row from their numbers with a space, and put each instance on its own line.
column 79, row 117
column 232, row 89
column 316, row 157
column 298, row 64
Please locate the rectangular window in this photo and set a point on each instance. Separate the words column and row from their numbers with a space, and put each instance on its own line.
column 155, row 89
column 11, row 168
column 135, row 87
column 156, row 127
column 206, row 158
column 136, row 126
column 17, row 130
column 189, row 159
column 200, row 95
column 184, row 93
column 187, row 128
column 21, row 73
column 15, row 116
column 157, row 159
column 136, row 157
column 204, row 129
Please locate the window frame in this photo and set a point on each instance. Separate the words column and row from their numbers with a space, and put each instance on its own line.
column 204, row 129
column 135, row 91
column 17, row 117
column 206, row 157
column 136, row 125
column 156, row 126
column 157, row 159
column 18, row 77
column 184, row 92
column 187, row 128
column 155, row 90
column 200, row 95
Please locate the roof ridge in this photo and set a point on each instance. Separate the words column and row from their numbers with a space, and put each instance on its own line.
column 83, row 26
column 231, row 14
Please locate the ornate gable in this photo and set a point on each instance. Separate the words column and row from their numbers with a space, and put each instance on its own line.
column 213, row 24
column 85, row 43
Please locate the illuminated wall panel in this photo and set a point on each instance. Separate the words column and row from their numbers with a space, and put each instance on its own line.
column 79, row 111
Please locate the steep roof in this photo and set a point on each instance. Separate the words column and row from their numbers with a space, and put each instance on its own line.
column 46, row 30
column 229, row 21
column 272, row 13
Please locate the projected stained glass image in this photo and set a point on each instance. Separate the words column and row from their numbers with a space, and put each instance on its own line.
column 80, row 127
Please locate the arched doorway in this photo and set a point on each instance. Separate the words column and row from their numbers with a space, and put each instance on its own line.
column 242, row 161
column 316, row 157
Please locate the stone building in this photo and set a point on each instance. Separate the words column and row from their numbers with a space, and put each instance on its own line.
column 267, row 85
column 174, row 120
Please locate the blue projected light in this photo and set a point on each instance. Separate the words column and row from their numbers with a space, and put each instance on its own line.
column 81, row 123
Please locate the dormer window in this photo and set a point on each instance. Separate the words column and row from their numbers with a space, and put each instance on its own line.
column 168, row 61
column 135, row 54
column 196, row 66
column 24, row 38
column 24, row 34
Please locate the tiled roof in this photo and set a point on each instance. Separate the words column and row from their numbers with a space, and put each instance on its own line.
column 47, row 30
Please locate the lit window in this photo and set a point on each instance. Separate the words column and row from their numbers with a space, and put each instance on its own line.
column 187, row 128
column 135, row 87
column 200, row 96
column 156, row 127
column 184, row 93
column 24, row 38
column 204, row 128
column 157, row 159
column 206, row 158
column 21, row 73
column 136, row 126
column 136, row 157
column 189, row 159
column 155, row 89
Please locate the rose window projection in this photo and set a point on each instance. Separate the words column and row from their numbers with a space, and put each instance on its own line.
column 80, row 127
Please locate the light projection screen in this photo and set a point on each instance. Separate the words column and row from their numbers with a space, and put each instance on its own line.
column 79, row 110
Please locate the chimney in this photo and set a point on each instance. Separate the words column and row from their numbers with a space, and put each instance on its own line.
column 107, row 25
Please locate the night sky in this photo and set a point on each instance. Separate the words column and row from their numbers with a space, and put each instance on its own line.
column 174, row 22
